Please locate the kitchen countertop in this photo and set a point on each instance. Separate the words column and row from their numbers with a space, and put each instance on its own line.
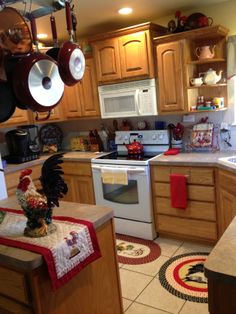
column 221, row 263
column 68, row 156
column 205, row 159
column 27, row 260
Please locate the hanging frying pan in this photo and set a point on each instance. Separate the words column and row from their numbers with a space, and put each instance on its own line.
column 53, row 52
column 9, row 66
column 36, row 80
column 7, row 101
column 15, row 35
column 71, row 60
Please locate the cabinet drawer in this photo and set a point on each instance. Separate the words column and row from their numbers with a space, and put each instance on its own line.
column 194, row 192
column 197, row 210
column 195, row 175
column 227, row 181
column 77, row 168
column 12, row 179
column 8, row 306
column 187, row 227
column 13, row 284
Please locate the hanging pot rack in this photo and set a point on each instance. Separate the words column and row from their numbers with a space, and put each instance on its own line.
column 38, row 8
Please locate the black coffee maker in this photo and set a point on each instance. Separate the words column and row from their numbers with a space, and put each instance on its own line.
column 21, row 146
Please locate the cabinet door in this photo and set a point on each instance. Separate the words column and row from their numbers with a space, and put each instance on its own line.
column 228, row 209
column 19, row 117
column 84, row 190
column 170, row 77
column 89, row 92
column 70, row 195
column 107, row 60
column 56, row 115
column 134, row 55
column 71, row 102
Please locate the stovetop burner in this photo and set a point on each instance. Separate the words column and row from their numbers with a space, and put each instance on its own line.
column 119, row 156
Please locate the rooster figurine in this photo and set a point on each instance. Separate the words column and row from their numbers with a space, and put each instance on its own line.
column 38, row 204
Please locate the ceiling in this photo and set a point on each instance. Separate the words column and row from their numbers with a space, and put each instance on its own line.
column 97, row 16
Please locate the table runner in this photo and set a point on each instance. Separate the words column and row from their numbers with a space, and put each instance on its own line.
column 66, row 251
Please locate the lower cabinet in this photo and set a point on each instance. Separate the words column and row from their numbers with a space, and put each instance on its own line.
column 226, row 199
column 12, row 179
column 78, row 176
column 198, row 220
column 95, row 290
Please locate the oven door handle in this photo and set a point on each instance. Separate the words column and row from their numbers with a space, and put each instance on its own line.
column 128, row 169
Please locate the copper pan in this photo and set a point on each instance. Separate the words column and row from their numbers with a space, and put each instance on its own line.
column 15, row 37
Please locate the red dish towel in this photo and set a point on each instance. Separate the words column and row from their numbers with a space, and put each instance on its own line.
column 178, row 191
column 172, row 151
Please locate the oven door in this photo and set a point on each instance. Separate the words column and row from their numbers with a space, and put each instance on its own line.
column 131, row 201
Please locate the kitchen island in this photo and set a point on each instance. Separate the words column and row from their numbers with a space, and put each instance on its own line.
column 220, row 269
column 24, row 281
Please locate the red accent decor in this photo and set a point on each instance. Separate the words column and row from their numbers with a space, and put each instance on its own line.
column 172, row 151
column 25, row 172
column 180, row 280
column 47, row 254
column 178, row 191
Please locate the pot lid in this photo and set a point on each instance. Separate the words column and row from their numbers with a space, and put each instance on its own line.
column 44, row 83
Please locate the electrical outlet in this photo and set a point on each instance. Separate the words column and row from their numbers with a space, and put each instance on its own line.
column 189, row 118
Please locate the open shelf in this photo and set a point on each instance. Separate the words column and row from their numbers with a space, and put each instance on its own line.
column 205, row 61
column 207, row 86
column 212, row 110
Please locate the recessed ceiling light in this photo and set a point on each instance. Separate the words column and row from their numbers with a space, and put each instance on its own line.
column 125, row 11
column 42, row 36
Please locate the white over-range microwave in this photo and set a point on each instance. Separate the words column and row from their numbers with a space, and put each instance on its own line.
column 129, row 99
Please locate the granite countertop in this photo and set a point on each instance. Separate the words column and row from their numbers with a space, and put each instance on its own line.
column 221, row 263
column 205, row 159
column 27, row 260
column 68, row 156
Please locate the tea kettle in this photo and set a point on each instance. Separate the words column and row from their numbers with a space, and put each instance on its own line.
column 134, row 148
column 211, row 77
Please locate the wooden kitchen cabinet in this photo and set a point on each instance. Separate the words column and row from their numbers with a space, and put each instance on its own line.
column 177, row 63
column 71, row 102
column 226, row 199
column 81, row 100
column 19, row 117
column 94, row 290
column 88, row 91
column 125, row 54
column 78, row 176
column 12, row 179
column 198, row 220
column 170, row 60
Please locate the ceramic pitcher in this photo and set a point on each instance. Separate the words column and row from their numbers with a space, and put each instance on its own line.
column 205, row 52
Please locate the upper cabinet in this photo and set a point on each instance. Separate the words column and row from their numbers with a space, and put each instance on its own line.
column 125, row 54
column 171, row 76
column 19, row 117
column 186, row 56
column 89, row 91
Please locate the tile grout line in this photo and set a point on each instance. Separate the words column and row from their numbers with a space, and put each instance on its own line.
column 155, row 308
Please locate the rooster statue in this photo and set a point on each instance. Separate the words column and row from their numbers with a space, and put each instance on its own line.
column 38, row 204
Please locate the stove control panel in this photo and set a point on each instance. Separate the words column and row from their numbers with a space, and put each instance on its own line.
column 148, row 137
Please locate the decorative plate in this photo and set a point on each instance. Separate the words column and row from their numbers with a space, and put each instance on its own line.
column 51, row 134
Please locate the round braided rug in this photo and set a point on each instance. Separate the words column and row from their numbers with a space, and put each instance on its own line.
column 135, row 251
column 183, row 276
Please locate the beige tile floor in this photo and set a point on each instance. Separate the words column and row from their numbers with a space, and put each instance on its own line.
column 143, row 294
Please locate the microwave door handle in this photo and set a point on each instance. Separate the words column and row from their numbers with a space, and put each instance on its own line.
column 137, row 101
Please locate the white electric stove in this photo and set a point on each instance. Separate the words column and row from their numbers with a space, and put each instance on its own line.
column 131, row 201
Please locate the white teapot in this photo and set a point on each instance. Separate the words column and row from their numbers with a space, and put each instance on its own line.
column 211, row 77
